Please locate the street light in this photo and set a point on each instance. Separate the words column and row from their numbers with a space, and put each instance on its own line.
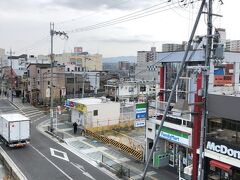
column 52, row 33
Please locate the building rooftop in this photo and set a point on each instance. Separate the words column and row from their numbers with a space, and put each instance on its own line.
column 198, row 55
column 91, row 101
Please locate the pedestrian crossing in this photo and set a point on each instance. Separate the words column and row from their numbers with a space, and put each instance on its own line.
column 28, row 110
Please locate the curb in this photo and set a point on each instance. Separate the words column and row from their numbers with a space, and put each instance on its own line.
column 56, row 136
column 11, row 166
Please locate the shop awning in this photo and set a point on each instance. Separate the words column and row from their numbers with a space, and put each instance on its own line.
column 220, row 165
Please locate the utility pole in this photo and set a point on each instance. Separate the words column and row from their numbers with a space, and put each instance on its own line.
column 52, row 33
column 84, row 74
column 74, row 85
column 174, row 87
column 11, row 74
column 205, row 89
column 1, row 78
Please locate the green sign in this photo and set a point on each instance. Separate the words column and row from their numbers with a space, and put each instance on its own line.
column 175, row 136
column 141, row 105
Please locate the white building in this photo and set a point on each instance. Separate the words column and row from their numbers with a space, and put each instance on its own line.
column 146, row 69
column 94, row 112
column 128, row 90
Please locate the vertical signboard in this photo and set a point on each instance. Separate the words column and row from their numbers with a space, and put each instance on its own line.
column 140, row 114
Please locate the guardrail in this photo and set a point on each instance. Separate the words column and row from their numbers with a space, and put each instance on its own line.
column 14, row 171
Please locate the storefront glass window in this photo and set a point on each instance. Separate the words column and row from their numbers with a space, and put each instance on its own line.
column 224, row 129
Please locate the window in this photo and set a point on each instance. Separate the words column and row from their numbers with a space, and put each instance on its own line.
column 142, row 88
column 38, row 82
column 48, row 82
column 70, row 80
column 130, row 89
column 38, row 71
column 68, row 69
column 95, row 112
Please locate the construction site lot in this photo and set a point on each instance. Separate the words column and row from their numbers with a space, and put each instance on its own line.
column 133, row 138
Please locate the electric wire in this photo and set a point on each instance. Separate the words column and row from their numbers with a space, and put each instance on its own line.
column 136, row 15
column 159, row 61
column 132, row 16
column 87, row 16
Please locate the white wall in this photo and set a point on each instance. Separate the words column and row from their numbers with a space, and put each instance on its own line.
column 77, row 117
column 108, row 114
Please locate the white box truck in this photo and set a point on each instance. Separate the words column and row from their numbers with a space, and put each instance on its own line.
column 15, row 129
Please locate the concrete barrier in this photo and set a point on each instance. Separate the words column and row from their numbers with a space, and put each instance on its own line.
column 12, row 168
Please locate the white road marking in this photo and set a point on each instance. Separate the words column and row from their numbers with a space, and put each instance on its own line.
column 64, row 157
column 52, row 163
column 82, row 169
column 39, row 118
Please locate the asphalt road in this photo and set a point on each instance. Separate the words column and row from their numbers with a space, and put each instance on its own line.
column 46, row 159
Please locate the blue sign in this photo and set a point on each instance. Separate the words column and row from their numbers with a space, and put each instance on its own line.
column 141, row 115
column 139, row 123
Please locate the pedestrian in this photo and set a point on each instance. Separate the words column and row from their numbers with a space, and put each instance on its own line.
column 75, row 127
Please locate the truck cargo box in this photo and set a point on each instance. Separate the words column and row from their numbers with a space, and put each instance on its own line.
column 15, row 129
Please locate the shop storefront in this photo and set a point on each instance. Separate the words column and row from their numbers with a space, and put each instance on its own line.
column 222, row 162
column 177, row 145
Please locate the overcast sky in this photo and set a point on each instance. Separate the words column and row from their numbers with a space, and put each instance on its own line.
column 25, row 24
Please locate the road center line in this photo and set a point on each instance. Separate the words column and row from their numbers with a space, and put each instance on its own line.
column 52, row 163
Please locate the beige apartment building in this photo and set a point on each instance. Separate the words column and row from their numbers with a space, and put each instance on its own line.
column 39, row 78
column 84, row 61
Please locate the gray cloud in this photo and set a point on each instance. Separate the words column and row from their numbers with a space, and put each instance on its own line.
column 121, row 40
column 102, row 4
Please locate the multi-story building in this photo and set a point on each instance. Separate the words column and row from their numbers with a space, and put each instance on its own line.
column 124, row 65
column 173, row 47
column 147, row 68
column 179, row 139
column 222, row 150
column 83, row 60
column 39, row 78
column 233, row 45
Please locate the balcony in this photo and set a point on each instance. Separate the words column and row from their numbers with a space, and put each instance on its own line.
column 179, row 110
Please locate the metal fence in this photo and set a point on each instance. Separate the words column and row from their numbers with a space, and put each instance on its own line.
column 120, row 170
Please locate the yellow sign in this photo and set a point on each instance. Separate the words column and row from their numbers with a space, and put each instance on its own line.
column 81, row 107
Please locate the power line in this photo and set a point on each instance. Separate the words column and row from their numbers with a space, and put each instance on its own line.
column 129, row 17
column 135, row 15
column 159, row 61
column 122, row 18
column 89, row 15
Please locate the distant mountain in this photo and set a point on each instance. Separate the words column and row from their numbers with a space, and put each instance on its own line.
column 131, row 59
